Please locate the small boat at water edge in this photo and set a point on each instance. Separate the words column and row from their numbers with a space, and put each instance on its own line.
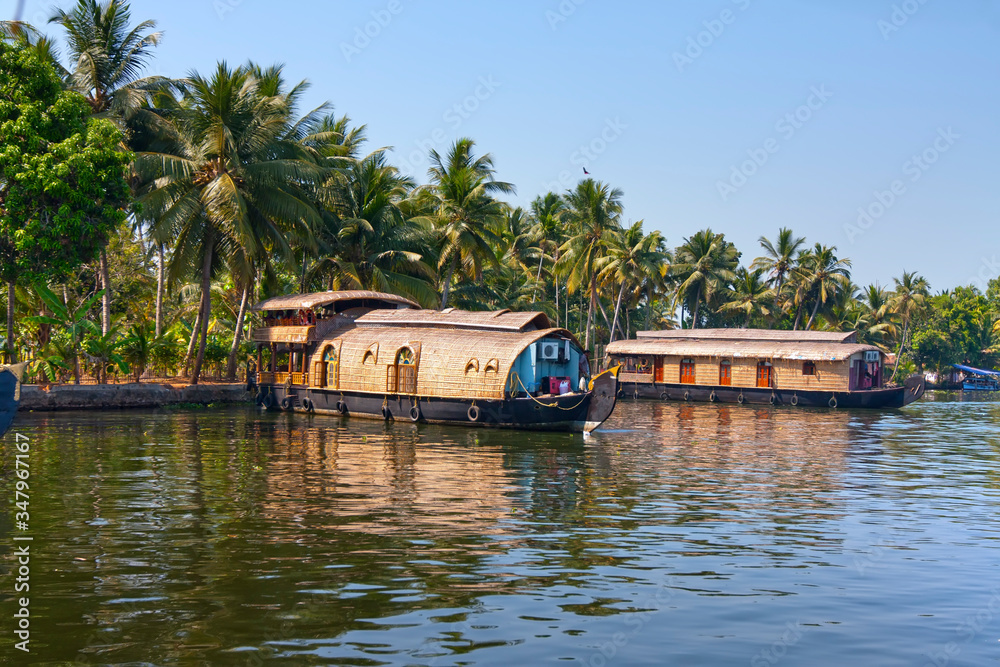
column 380, row 356
column 797, row 368
column 978, row 379
column 10, row 393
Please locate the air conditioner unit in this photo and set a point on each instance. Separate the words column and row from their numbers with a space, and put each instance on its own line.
column 871, row 356
column 550, row 350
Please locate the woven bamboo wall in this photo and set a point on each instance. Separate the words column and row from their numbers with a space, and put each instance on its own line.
column 830, row 376
column 444, row 356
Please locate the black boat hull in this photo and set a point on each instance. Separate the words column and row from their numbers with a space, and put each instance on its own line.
column 572, row 412
column 8, row 398
column 894, row 397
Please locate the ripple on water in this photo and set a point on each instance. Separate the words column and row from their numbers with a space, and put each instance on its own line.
column 680, row 533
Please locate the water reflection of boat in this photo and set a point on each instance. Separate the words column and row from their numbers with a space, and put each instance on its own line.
column 10, row 394
column 380, row 356
column 977, row 379
column 807, row 368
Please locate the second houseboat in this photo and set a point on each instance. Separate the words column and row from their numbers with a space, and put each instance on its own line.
column 808, row 368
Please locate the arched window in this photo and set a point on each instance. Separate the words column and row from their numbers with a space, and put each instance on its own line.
column 725, row 373
column 402, row 375
column 687, row 371
column 371, row 355
column 331, row 367
column 472, row 366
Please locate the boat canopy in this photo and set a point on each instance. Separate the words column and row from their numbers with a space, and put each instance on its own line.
column 739, row 334
column 321, row 299
column 977, row 371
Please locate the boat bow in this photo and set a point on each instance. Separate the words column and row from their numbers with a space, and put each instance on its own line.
column 604, row 395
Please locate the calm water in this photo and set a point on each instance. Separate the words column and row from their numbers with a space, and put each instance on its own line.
column 680, row 534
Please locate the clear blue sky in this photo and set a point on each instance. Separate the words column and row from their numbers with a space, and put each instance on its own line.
column 669, row 98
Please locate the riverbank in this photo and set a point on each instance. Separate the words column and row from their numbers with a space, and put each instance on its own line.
column 122, row 396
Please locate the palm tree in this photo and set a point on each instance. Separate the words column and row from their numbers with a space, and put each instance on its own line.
column 593, row 211
column 635, row 262
column 779, row 257
column 108, row 59
column 825, row 276
column 749, row 294
column 233, row 185
column 466, row 215
column 705, row 263
column 547, row 211
column 908, row 300
column 369, row 243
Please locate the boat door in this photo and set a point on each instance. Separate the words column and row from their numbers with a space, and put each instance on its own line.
column 765, row 374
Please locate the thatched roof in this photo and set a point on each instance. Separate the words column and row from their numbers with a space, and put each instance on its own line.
column 754, row 334
column 743, row 349
column 502, row 320
column 452, row 362
column 318, row 299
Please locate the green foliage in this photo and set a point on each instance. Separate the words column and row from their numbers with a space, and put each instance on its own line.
column 63, row 173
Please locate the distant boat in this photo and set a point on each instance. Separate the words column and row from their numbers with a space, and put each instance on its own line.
column 797, row 368
column 380, row 356
column 978, row 379
column 10, row 393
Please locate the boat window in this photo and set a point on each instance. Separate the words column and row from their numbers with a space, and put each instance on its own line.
column 401, row 377
column 472, row 366
column 371, row 355
column 331, row 367
column 809, row 368
column 644, row 365
column 687, row 371
column 725, row 373
column 492, row 366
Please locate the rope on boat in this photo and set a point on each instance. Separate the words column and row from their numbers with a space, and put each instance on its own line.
column 547, row 405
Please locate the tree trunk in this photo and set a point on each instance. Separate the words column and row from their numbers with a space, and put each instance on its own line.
column 305, row 264
column 899, row 353
column 238, row 334
column 206, row 310
column 618, row 307
column 106, row 299
column 195, row 328
column 447, row 281
column 649, row 307
column 813, row 315
column 798, row 318
column 558, row 324
column 746, row 324
column 694, row 313
column 538, row 278
column 590, row 309
column 159, row 291
column 11, row 297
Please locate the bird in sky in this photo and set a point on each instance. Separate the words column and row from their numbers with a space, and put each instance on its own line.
column 586, row 172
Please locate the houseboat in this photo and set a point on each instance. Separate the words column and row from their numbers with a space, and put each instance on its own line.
column 807, row 368
column 10, row 393
column 368, row 354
